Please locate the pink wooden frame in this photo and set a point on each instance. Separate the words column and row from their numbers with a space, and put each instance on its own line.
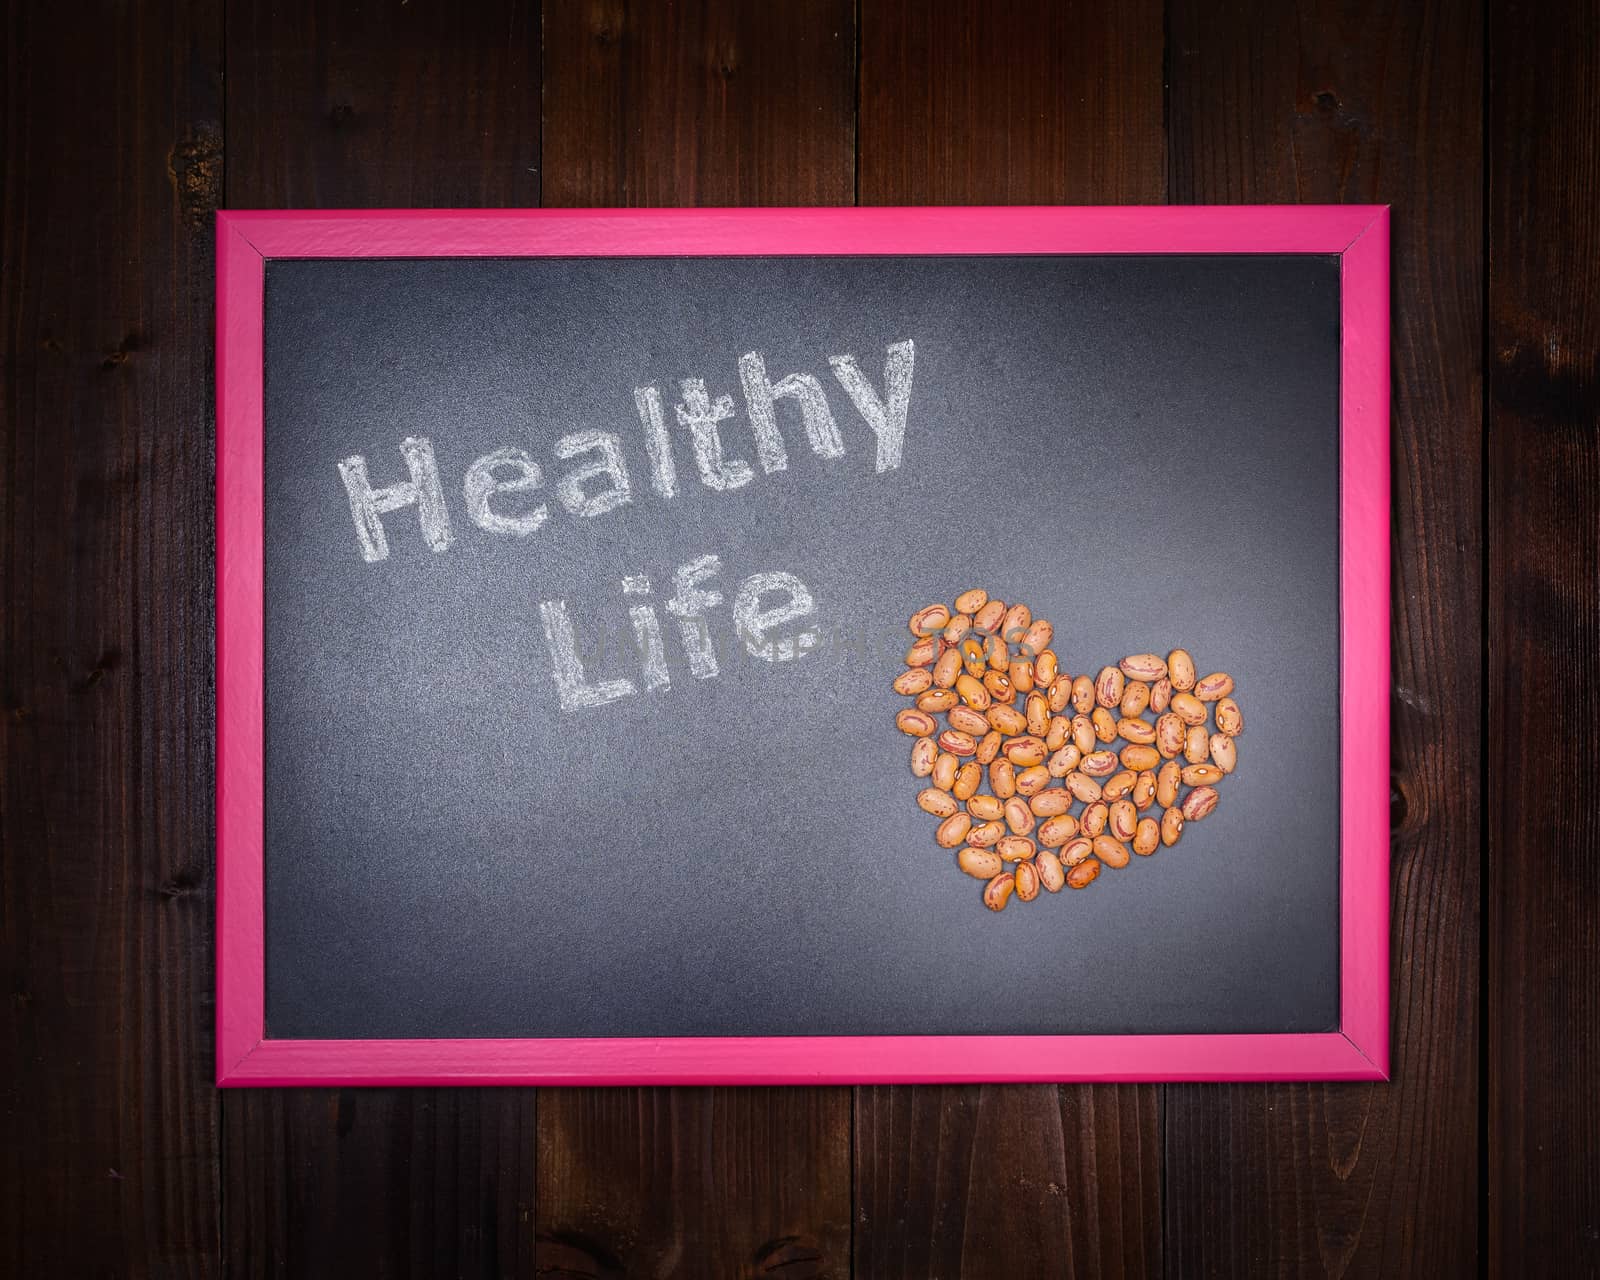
column 1359, row 1050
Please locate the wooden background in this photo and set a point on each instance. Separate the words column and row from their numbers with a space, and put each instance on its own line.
column 127, row 124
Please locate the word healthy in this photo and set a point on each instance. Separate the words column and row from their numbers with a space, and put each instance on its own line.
column 496, row 486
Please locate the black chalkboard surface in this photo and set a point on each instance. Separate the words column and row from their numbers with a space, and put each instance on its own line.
column 709, row 832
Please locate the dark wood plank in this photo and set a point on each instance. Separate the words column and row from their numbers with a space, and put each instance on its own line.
column 1375, row 102
column 112, row 167
column 360, row 1182
column 1009, row 103
column 985, row 1180
column 715, row 102
column 1544, row 620
column 718, row 102
column 694, row 1182
column 381, row 105
column 404, row 105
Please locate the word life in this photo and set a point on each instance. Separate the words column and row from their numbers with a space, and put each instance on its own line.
column 762, row 607
column 497, row 487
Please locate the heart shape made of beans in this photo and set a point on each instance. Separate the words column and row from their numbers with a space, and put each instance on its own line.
column 1040, row 778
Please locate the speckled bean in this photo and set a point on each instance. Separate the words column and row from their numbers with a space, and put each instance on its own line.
column 985, row 864
column 1147, row 838
column 1188, row 708
column 1143, row 666
column 1082, row 786
column 1038, row 714
column 1105, row 725
column 1099, row 764
column 1051, row 802
column 999, row 890
column 1140, row 758
column 953, row 830
column 1015, row 848
column 1111, row 851
column 957, row 743
column 1026, row 750
column 1064, row 761
column 1141, row 732
column 965, row 719
column 1045, row 668
column 972, row 692
column 986, row 834
column 1007, row 719
column 1083, row 875
column 987, row 616
column 1119, row 785
column 1027, row 882
column 1180, row 669
column 1219, row 684
column 1135, row 698
column 1032, row 780
column 985, row 808
column 1167, row 781
column 1230, row 720
column 923, row 652
column 1056, row 831
column 913, row 680
column 1169, row 735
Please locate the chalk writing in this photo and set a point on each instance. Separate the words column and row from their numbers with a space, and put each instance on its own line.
column 603, row 482
column 773, row 612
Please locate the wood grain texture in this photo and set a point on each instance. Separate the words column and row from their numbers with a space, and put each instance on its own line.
column 1544, row 624
column 996, row 104
column 1367, row 102
column 369, row 1182
column 716, row 102
column 392, row 105
column 1008, row 1181
column 1011, row 102
column 694, row 1182
column 735, row 102
column 111, row 169
column 427, row 105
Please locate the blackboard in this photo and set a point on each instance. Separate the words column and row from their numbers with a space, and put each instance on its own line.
column 1145, row 449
